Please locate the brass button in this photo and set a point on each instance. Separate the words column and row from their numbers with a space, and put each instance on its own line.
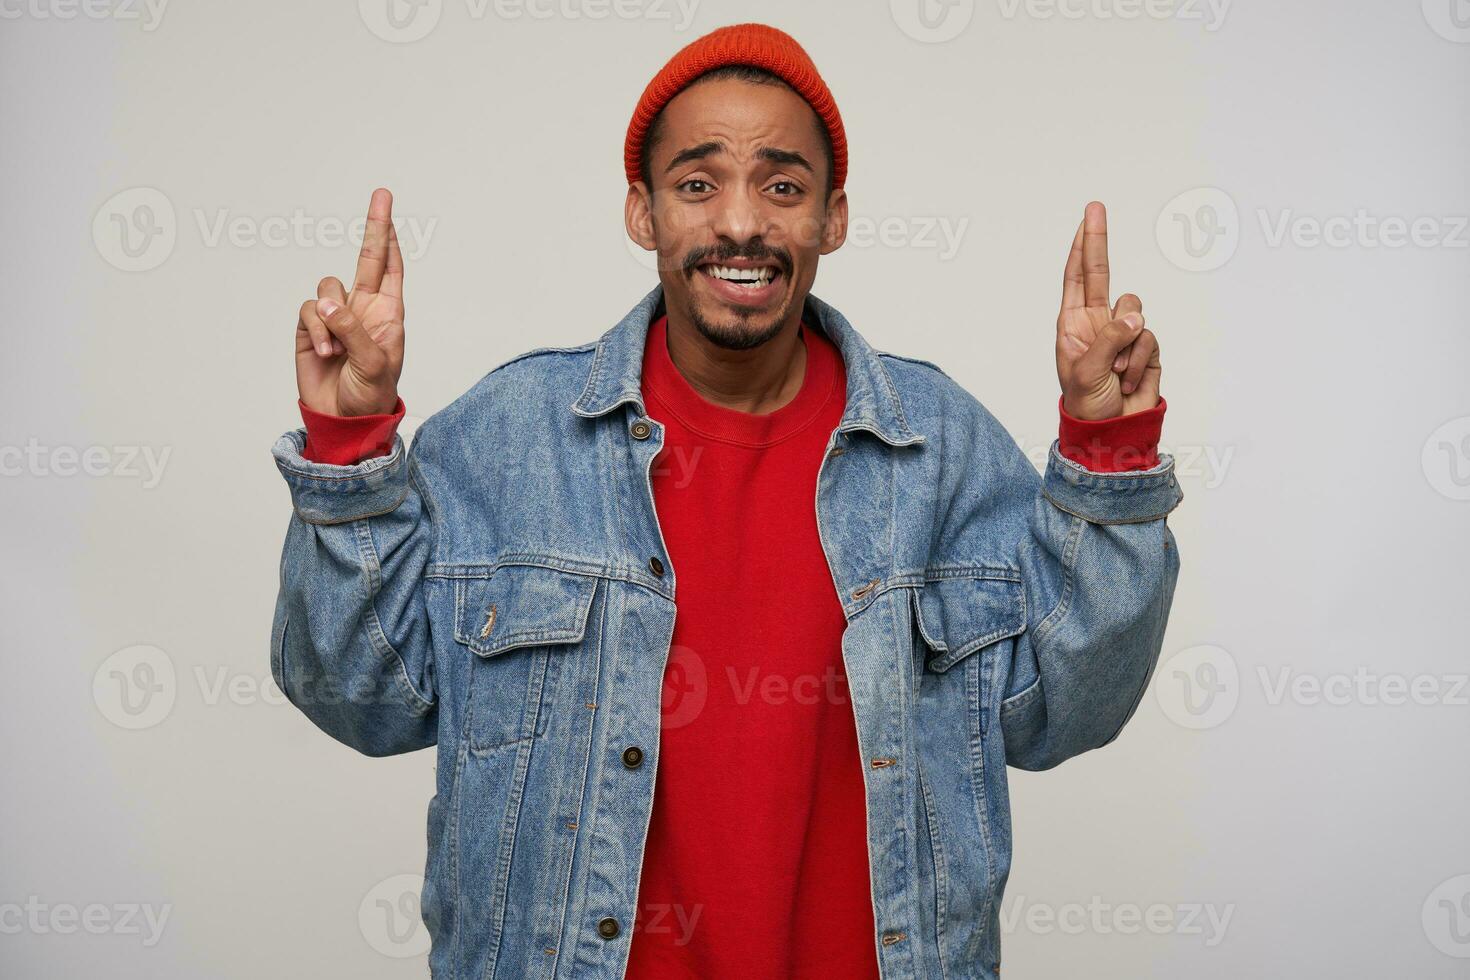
column 632, row 757
column 656, row 567
column 641, row 429
column 607, row 928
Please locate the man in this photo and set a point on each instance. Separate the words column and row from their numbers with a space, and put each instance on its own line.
column 725, row 625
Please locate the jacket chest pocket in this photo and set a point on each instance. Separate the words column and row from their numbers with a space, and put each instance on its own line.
column 522, row 626
column 958, row 616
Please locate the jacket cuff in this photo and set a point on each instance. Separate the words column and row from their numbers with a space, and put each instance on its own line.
column 1124, row 442
column 326, row 493
column 345, row 440
column 1111, row 498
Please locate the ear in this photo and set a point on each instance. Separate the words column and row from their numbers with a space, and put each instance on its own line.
column 638, row 215
column 834, row 231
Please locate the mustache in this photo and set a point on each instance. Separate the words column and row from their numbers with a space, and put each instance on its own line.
column 704, row 254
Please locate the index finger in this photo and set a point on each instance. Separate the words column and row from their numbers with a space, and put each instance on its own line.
column 1072, row 291
column 373, row 258
column 1095, row 254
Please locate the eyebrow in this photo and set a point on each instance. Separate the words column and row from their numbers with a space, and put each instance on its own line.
column 768, row 153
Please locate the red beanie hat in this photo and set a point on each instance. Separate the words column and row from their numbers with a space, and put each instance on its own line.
column 739, row 44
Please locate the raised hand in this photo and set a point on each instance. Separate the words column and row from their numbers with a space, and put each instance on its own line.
column 349, row 346
column 1107, row 361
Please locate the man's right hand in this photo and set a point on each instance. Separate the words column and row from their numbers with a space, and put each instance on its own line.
column 349, row 346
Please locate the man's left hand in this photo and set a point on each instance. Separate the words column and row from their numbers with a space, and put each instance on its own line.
column 1107, row 360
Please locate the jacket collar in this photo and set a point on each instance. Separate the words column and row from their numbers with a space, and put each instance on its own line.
column 873, row 404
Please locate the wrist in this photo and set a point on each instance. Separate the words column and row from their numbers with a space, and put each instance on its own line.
column 1079, row 411
column 377, row 407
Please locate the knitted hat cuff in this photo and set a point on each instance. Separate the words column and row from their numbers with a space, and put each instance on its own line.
column 739, row 44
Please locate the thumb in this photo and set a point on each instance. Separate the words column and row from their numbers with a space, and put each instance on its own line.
column 362, row 351
column 1112, row 338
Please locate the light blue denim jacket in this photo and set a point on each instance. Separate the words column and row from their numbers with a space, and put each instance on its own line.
column 501, row 590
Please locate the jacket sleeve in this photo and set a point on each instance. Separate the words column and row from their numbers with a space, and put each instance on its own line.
column 350, row 644
column 1098, row 565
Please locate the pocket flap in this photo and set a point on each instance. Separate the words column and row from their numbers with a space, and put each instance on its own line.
column 522, row 605
column 958, row 616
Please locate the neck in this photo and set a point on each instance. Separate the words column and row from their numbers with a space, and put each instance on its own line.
column 758, row 381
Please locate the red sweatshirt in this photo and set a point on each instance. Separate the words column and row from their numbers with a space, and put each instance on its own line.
column 756, row 864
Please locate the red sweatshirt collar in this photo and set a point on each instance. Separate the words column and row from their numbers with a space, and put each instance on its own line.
column 665, row 386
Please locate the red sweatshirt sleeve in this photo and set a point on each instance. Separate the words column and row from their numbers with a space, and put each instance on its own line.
column 344, row 440
column 1124, row 442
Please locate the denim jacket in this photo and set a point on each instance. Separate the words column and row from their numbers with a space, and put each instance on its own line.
column 501, row 590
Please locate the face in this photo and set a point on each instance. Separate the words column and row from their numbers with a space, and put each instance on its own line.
column 738, row 214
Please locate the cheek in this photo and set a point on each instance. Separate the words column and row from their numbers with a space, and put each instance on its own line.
column 679, row 227
column 802, row 235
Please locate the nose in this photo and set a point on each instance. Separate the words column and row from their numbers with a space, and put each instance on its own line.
column 739, row 217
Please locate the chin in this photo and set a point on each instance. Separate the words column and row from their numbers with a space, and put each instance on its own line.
column 733, row 331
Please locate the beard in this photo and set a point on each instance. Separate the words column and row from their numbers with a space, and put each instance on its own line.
column 743, row 335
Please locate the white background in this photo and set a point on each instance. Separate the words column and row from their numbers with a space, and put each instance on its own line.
column 1283, row 805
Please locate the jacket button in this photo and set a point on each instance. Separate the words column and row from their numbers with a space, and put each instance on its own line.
column 641, row 429
column 656, row 567
column 608, row 928
column 632, row 757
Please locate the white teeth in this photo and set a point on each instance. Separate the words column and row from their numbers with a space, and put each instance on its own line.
column 747, row 277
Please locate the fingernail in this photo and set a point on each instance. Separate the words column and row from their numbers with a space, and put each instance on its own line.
column 324, row 349
column 327, row 307
column 1133, row 320
column 1128, row 387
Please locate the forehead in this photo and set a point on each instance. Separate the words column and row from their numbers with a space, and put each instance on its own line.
column 743, row 115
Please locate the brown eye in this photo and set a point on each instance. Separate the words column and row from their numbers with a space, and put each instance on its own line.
column 786, row 183
column 687, row 185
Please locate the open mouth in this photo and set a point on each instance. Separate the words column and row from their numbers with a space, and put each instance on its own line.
column 743, row 281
